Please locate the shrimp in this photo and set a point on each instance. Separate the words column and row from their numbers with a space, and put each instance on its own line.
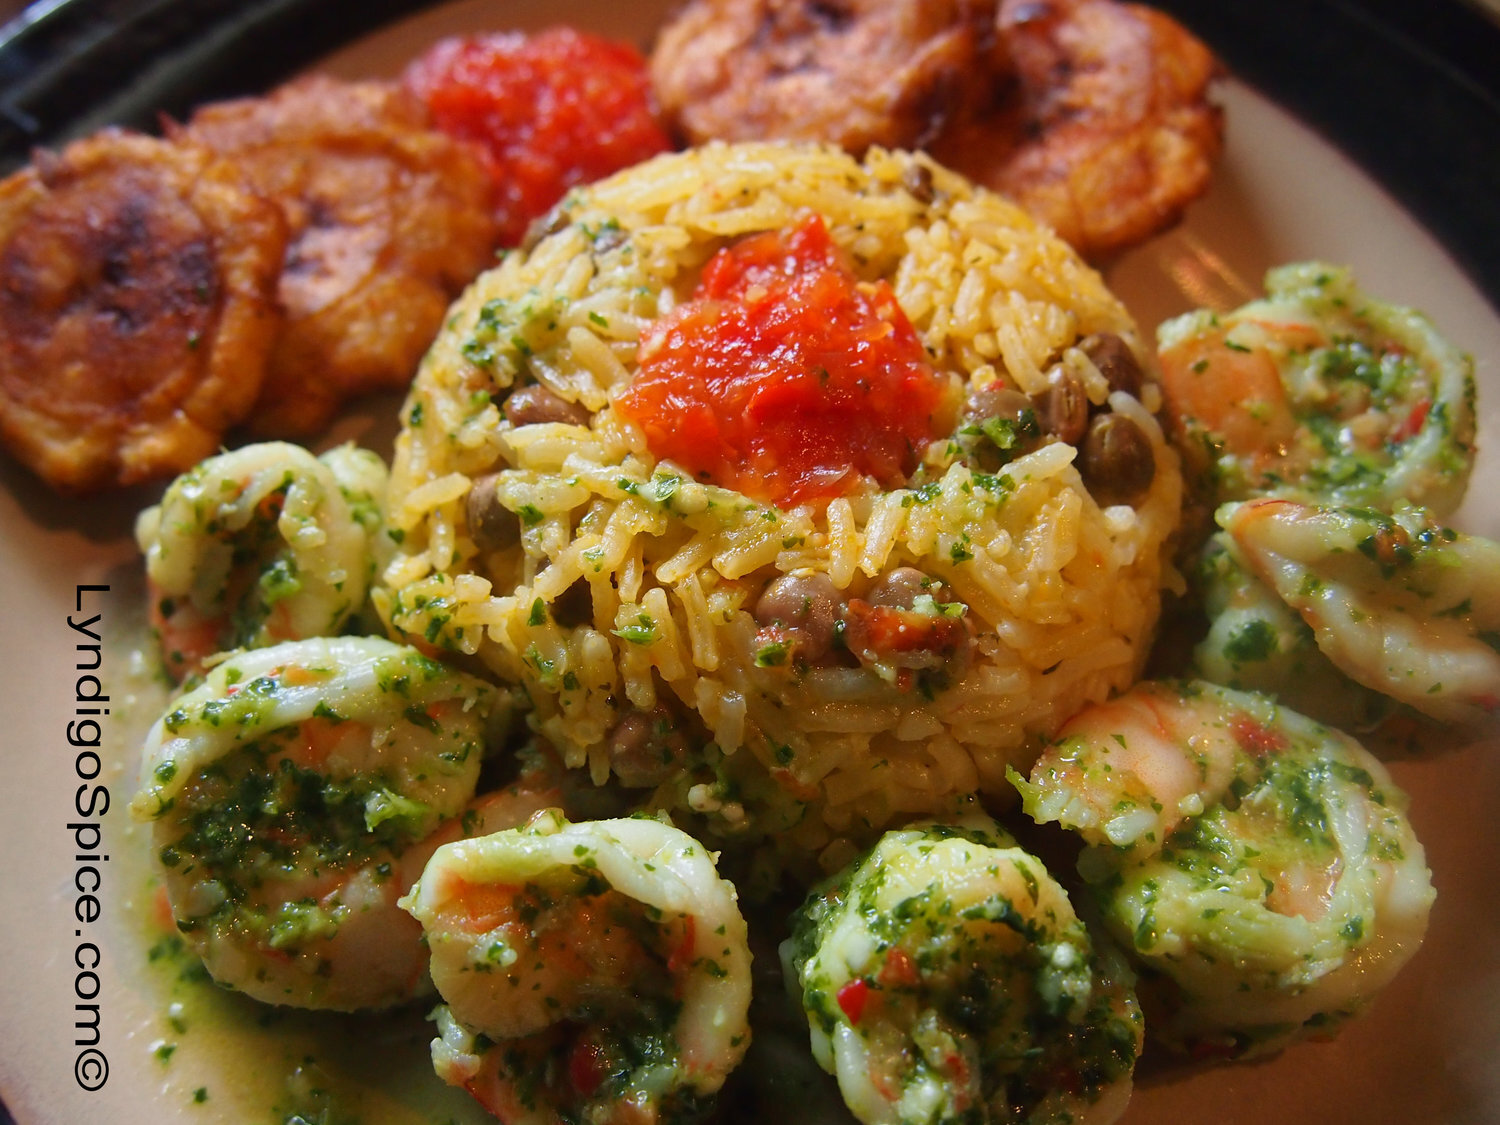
column 362, row 478
column 1321, row 392
column 260, row 545
column 1397, row 603
column 946, row 978
column 1256, row 642
column 1259, row 864
column 296, row 795
column 595, row 971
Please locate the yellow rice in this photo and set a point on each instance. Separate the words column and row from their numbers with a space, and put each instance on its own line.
column 1064, row 594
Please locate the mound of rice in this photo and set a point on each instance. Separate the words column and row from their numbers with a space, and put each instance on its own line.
column 630, row 588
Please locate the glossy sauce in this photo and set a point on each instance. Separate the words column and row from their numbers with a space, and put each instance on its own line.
column 549, row 111
column 787, row 378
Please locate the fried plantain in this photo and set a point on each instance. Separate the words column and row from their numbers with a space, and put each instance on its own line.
column 1107, row 130
column 1093, row 114
column 137, row 307
column 388, row 220
column 849, row 72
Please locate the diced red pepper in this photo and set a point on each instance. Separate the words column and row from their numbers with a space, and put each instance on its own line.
column 886, row 630
column 1255, row 738
column 587, row 1065
column 852, row 998
column 1413, row 422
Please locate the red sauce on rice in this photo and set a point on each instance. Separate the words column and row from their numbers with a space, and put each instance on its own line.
column 785, row 377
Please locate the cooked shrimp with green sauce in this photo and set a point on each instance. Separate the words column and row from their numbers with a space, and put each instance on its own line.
column 1259, row 866
column 594, row 971
column 1257, row 642
column 1400, row 604
column 1320, row 391
column 296, row 795
column 946, row 978
column 264, row 544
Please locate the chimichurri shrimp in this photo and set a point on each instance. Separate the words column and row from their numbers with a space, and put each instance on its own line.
column 1321, row 391
column 946, row 978
column 362, row 478
column 296, row 794
column 1256, row 642
column 593, row 972
column 1259, row 864
column 264, row 544
column 1398, row 603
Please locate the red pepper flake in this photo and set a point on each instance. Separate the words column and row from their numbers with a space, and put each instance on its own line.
column 958, row 1070
column 588, row 1065
column 853, row 997
column 787, row 378
column 1413, row 422
column 1255, row 738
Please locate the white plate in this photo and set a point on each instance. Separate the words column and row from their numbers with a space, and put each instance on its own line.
column 1429, row 1051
